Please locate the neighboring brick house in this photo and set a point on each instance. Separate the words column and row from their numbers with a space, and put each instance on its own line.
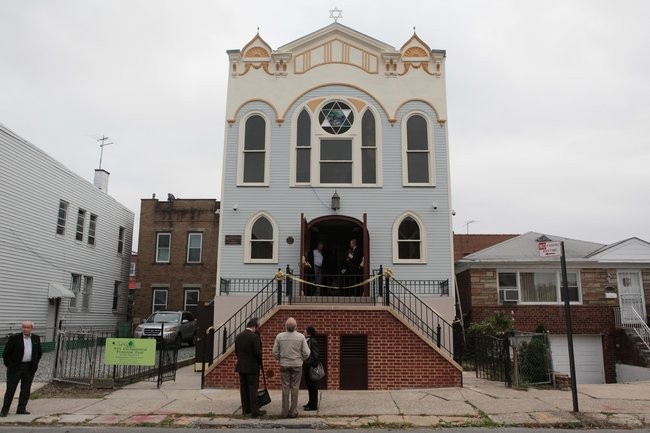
column 177, row 254
column 511, row 276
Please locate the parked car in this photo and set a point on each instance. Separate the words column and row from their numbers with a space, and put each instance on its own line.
column 176, row 326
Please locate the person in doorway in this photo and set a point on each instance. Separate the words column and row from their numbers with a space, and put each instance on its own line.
column 21, row 356
column 316, row 259
column 248, row 348
column 291, row 350
column 312, row 361
column 353, row 268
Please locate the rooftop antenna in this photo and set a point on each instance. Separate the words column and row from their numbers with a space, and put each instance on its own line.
column 336, row 14
column 101, row 146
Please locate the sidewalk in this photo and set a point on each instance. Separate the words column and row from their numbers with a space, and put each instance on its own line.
column 478, row 403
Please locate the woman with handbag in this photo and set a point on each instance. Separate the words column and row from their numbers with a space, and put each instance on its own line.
column 312, row 362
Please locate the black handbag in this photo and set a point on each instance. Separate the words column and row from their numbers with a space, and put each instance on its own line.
column 263, row 396
column 316, row 373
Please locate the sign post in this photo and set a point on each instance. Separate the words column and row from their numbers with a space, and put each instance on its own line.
column 551, row 249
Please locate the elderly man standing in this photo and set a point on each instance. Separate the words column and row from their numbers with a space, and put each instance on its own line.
column 21, row 356
column 290, row 348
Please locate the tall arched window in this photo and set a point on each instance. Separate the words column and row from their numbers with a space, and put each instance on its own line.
column 368, row 148
column 418, row 158
column 303, row 148
column 409, row 244
column 261, row 240
column 254, row 150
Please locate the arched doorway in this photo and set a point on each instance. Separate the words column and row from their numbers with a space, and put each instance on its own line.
column 335, row 233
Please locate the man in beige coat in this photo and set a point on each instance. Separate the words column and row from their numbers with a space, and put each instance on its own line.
column 291, row 349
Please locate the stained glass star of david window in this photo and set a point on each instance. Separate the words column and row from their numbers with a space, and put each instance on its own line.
column 336, row 118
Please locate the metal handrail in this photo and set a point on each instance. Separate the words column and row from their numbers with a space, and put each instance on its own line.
column 639, row 325
column 258, row 306
column 420, row 315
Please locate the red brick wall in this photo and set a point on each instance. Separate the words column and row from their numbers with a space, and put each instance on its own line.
column 397, row 357
column 177, row 217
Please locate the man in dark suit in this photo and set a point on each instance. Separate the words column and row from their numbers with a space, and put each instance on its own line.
column 21, row 356
column 248, row 348
column 353, row 267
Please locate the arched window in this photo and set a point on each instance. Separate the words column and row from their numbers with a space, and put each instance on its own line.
column 368, row 149
column 303, row 148
column 409, row 244
column 418, row 159
column 254, row 152
column 261, row 240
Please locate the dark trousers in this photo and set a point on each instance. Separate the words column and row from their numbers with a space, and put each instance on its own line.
column 312, row 389
column 248, row 393
column 23, row 374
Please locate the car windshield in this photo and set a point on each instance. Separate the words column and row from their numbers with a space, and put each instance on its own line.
column 163, row 317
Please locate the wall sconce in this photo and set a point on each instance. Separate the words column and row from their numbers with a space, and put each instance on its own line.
column 336, row 201
column 235, row 207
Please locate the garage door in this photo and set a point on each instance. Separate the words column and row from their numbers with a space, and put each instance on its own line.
column 588, row 355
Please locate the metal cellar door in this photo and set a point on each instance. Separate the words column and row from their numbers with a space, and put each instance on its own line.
column 354, row 362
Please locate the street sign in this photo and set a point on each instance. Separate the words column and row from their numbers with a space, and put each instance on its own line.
column 549, row 249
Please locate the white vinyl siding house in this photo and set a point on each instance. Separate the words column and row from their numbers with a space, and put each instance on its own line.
column 60, row 233
column 297, row 137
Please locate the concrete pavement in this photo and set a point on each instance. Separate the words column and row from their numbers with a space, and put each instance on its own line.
column 478, row 403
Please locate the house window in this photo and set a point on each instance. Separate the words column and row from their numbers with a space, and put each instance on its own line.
column 254, row 151
column 191, row 303
column 408, row 240
column 194, row 247
column 75, row 287
column 116, row 295
column 87, row 293
column 132, row 269
column 159, row 300
column 81, row 220
column 163, row 247
column 63, row 213
column 120, row 240
column 261, row 240
column 336, row 161
column 368, row 149
column 536, row 287
column 92, row 229
column 303, row 148
column 417, row 162
column 334, row 148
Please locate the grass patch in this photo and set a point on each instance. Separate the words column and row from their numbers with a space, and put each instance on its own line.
column 69, row 390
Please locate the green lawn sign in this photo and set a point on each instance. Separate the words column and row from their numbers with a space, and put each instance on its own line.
column 130, row 351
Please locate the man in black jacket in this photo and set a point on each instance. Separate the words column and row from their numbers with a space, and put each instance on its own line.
column 21, row 356
column 248, row 348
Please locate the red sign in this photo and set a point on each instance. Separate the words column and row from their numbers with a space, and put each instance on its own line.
column 549, row 249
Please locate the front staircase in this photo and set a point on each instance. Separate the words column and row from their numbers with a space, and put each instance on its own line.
column 637, row 333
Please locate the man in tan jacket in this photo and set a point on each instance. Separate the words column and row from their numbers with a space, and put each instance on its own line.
column 290, row 348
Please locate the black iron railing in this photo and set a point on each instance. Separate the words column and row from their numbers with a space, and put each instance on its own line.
column 415, row 311
column 259, row 306
column 241, row 285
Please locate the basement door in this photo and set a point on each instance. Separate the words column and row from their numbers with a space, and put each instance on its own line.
column 630, row 296
column 354, row 362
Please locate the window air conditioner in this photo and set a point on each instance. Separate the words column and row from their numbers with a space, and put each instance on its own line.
column 509, row 295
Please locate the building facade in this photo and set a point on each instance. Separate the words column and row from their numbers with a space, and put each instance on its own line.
column 608, row 287
column 338, row 138
column 177, row 255
column 65, row 244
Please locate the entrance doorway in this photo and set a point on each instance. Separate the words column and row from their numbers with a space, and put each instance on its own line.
column 334, row 232
column 631, row 299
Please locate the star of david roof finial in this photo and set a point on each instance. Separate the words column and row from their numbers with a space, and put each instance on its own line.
column 336, row 14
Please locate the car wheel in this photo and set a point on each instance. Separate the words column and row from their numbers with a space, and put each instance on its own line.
column 192, row 340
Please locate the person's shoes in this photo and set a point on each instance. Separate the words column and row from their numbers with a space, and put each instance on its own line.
column 3, row 414
column 23, row 412
column 308, row 408
column 259, row 414
column 293, row 415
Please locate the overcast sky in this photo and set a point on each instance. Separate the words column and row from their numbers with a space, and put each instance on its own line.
column 548, row 101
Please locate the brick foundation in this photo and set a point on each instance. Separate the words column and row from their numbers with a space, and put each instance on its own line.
column 397, row 357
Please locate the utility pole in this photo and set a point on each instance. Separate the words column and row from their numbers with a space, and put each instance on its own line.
column 101, row 146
